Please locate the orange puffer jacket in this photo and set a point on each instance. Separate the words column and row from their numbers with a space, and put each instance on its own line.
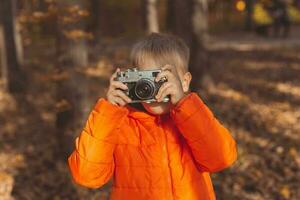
column 162, row 157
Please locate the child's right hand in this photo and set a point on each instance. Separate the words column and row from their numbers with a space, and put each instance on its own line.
column 115, row 95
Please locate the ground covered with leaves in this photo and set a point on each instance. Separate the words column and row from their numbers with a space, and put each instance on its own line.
column 258, row 99
column 256, row 96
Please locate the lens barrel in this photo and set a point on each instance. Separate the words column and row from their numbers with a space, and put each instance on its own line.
column 145, row 89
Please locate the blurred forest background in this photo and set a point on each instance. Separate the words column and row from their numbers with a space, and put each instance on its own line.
column 56, row 57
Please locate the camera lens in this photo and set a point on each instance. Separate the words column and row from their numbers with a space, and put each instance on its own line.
column 144, row 89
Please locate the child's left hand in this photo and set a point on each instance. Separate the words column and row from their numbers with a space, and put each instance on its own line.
column 172, row 87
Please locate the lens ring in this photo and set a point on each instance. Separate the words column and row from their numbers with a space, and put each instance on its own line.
column 144, row 89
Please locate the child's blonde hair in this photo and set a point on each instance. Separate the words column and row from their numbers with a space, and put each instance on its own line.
column 163, row 49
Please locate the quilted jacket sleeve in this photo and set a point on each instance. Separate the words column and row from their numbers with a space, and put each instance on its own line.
column 211, row 144
column 91, row 163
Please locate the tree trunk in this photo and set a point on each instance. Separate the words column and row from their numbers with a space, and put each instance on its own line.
column 149, row 8
column 72, row 87
column 200, row 21
column 188, row 19
column 3, row 61
column 95, row 24
column 249, row 11
column 11, row 51
column 179, row 17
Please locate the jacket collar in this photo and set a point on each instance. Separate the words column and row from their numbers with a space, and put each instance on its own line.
column 144, row 115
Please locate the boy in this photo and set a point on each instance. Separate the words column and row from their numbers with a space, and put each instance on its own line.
column 163, row 151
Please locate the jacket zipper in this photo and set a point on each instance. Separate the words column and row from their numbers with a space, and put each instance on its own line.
column 166, row 157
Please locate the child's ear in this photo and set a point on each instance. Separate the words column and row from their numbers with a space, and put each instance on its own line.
column 187, row 77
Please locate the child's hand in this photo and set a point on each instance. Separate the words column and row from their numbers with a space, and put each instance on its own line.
column 172, row 87
column 115, row 95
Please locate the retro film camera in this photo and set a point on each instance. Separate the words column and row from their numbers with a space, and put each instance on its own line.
column 141, row 84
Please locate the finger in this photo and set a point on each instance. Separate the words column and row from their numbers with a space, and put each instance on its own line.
column 114, row 75
column 111, row 97
column 121, row 94
column 162, row 89
column 118, row 85
column 162, row 74
column 167, row 91
column 164, row 85
column 119, row 101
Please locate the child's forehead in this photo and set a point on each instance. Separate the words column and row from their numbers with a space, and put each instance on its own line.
column 149, row 64
column 149, row 67
column 154, row 63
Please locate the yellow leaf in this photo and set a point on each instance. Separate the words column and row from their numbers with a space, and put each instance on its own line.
column 78, row 34
column 285, row 192
column 83, row 13
column 293, row 152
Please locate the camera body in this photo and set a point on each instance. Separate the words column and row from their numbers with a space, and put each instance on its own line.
column 141, row 84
